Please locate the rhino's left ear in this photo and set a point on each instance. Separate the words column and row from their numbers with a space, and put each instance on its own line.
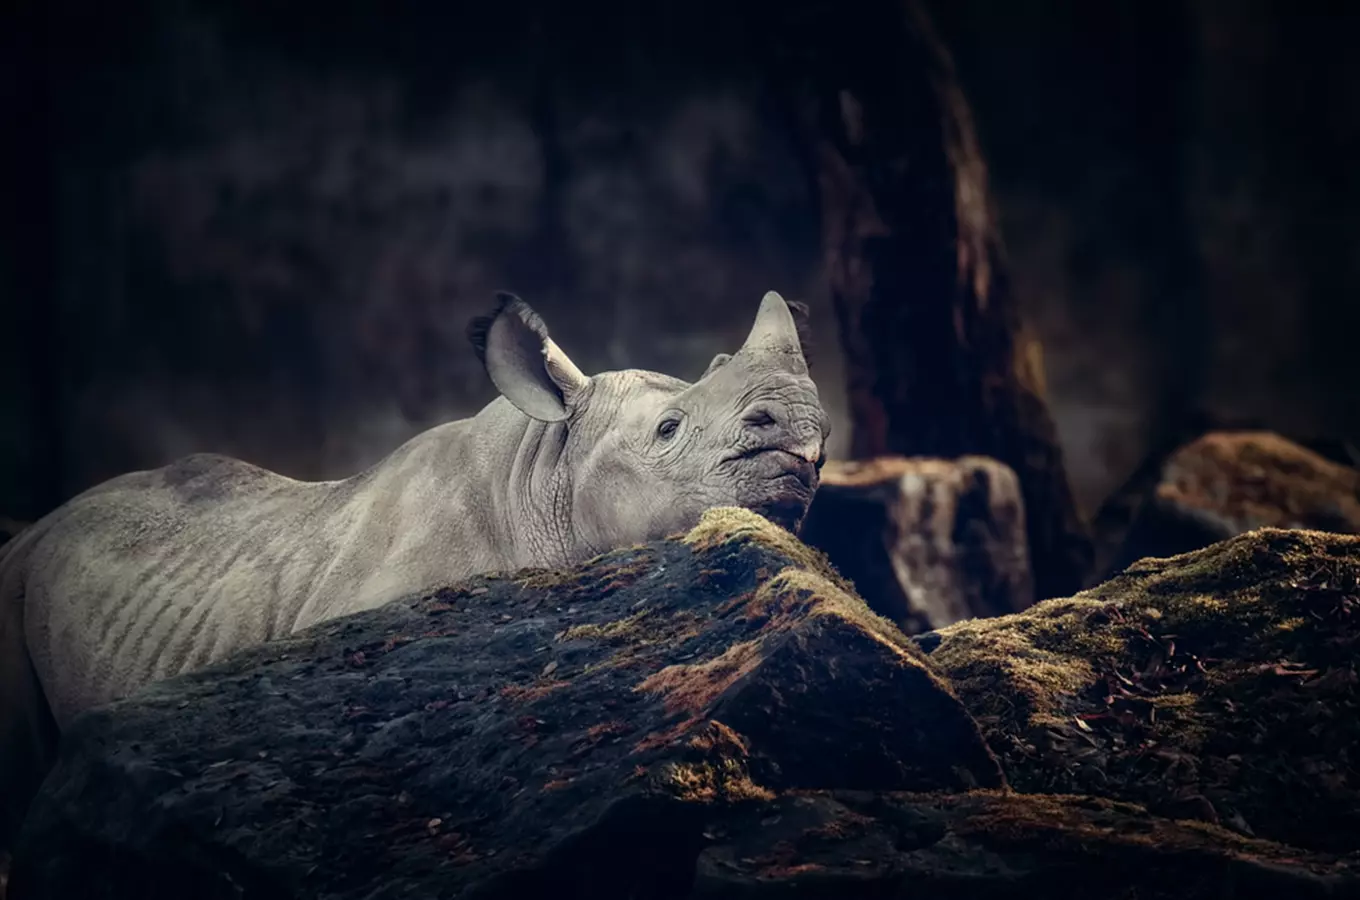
column 524, row 363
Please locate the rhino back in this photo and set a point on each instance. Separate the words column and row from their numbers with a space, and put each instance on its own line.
column 158, row 572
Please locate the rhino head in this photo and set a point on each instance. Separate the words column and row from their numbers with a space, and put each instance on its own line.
column 646, row 453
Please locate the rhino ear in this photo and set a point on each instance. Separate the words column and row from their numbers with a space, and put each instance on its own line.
column 524, row 363
column 718, row 362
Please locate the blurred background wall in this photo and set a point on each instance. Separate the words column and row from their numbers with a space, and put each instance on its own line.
column 260, row 229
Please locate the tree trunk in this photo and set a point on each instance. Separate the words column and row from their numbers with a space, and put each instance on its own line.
column 938, row 362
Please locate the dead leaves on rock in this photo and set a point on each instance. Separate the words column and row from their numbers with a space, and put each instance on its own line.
column 1114, row 727
column 1219, row 686
column 1330, row 594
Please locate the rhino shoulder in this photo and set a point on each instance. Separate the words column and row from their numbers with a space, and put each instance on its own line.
column 212, row 476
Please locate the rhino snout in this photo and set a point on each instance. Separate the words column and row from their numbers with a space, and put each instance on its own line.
column 803, row 439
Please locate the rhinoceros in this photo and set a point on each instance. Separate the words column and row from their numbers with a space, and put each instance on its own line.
column 160, row 572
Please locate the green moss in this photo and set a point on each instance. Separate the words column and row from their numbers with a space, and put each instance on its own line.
column 809, row 586
column 599, row 577
column 635, row 637
column 715, row 767
column 795, row 594
column 618, row 631
column 725, row 526
column 691, row 688
column 1204, row 600
column 1042, row 656
column 1185, row 700
column 706, row 782
column 526, row 693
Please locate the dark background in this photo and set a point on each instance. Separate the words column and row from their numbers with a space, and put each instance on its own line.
column 260, row 228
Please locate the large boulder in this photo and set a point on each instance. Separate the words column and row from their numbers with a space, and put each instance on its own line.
column 927, row 542
column 511, row 733
column 719, row 715
column 1226, row 483
column 1219, row 685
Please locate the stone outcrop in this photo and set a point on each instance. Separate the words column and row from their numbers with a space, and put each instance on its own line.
column 1220, row 686
column 719, row 715
column 1226, row 483
column 927, row 542
column 493, row 735
column 1237, row 481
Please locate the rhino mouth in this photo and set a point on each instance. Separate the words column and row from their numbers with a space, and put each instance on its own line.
column 784, row 487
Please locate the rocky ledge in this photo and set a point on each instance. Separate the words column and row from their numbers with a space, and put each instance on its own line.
column 1222, row 484
column 720, row 715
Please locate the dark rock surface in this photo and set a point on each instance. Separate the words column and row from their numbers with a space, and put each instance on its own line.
column 927, row 542
column 489, row 738
column 719, row 715
column 991, row 845
column 1225, row 483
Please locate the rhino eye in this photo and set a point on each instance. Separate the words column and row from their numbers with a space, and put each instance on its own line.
column 666, row 430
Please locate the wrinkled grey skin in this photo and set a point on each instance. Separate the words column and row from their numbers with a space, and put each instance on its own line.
column 156, row 573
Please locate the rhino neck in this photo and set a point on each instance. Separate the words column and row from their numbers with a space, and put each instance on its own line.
column 535, row 503
column 490, row 493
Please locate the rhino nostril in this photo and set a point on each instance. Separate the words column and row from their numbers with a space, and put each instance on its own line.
column 758, row 418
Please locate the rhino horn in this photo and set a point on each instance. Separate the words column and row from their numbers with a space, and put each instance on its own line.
column 774, row 336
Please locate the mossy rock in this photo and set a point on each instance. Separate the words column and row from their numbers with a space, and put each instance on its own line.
column 515, row 735
column 1237, row 481
column 1219, row 685
column 1222, row 484
column 719, row 715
